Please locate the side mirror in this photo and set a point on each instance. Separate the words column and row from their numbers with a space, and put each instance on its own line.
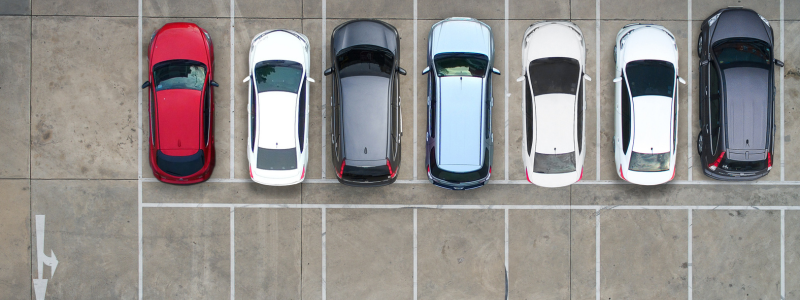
column 681, row 80
column 704, row 62
column 426, row 70
column 618, row 79
column 496, row 71
column 311, row 79
column 246, row 79
column 329, row 71
column 401, row 71
column 214, row 84
column 521, row 78
column 146, row 84
column 586, row 77
column 779, row 63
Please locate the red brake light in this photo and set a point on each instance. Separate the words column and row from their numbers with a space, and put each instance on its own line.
column 713, row 166
column 579, row 178
column 527, row 176
column 304, row 173
column 391, row 173
column 490, row 169
column 620, row 173
column 251, row 171
column 429, row 169
column 341, row 170
column 769, row 161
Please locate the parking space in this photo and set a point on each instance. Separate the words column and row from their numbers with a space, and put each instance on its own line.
column 72, row 155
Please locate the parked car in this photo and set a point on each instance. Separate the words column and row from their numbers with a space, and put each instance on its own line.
column 277, row 135
column 737, row 95
column 181, row 103
column 553, row 139
column 366, row 120
column 459, row 135
column 646, row 110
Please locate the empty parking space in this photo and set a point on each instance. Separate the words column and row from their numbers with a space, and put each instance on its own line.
column 539, row 266
column 15, row 55
column 15, row 254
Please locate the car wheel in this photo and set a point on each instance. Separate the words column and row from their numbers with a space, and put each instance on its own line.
column 699, row 45
column 700, row 144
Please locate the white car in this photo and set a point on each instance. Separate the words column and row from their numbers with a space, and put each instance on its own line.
column 554, row 141
column 646, row 104
column 277, row 136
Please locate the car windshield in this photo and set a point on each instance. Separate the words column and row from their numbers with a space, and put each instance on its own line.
column 742, row 52
column 276, row 159
column 554, row 75
column 743, row 166
column 461, row 64
column 179, row 74
column 646, row 162
column 365, row 60
column 651, row 78
column 554, row 163
column 278, row 76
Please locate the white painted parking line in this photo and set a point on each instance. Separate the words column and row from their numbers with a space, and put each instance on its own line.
column 506, row 248
column 233, row 254
column 414, row 77
column 689, row 258
column 597, row 254
column 597, row 84
column 783, row 251
column 505, row 92
column 415, row 250
column 324, row 257
column 782, row 75
column 324, row 85
column 233, row 53
column 689, row 67
column 139, row 142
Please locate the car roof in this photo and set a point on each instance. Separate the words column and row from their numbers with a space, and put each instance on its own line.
column 740, row 23
column 461, row 35
column 364, row 32
column 652, row 124
column 277, row 116
column 365, row 117
column 747, row 107
column 555, row 123
column 179, row 123
column 461, row 123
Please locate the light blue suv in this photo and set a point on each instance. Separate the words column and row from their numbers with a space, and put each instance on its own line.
column 459, row 139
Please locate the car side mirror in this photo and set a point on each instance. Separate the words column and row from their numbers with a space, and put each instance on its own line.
column 146, row 84
column 704, row 62
column 681, row 80
column 329, row 71
column 521, row 78
column 586, row 77
column 618, row 79
column 311, row 79
column 496, row 71
column 779, row 63
column 214, row 84
column 246, row 79
column 401, row 71
column 426, row 70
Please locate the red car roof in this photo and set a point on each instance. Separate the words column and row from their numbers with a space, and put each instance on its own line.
column 180, row 130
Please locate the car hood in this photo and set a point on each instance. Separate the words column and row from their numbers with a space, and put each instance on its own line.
column 740, row 23
column 365, row 32
column 461, row 123
column 747, row 93
column 179, row 41
column 365, row 109
column 179, row 126
column 553, row 40
column 291, row 48
column 277, row 115
column 649, row 43
column 555, row 128
column 652, row 124
column 468, row 36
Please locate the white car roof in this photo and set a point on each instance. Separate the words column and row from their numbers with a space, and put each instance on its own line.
column 553, row 40
column 652, row 124
column 651, row 43
column 555, row 123
column 277, row 115
column 278, row 45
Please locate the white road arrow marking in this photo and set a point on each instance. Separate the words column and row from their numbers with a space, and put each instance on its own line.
column 40, row 284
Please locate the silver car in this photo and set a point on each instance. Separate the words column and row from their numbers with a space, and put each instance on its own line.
column 459, row 140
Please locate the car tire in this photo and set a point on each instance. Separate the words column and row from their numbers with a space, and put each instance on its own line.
column 700, row 144
column 699, row 45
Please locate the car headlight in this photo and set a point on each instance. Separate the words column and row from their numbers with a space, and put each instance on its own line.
column 713, row 19
column 765, row 20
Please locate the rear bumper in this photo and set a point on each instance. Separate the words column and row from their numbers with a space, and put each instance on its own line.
column 367, row 183
column 458, row 186
column 728, row 177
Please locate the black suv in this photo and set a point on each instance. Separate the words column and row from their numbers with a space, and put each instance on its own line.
column 737, row 95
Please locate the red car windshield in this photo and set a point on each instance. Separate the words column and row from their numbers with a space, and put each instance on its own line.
column 180, row 74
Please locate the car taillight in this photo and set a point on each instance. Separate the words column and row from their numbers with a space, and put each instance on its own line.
column 490, row 169
column 251, row 172
column 713, row 166
column 527, row 176
column 391, row 173
column 769, row 161
column 579, row 178
column 341, row 170
column 304, row 173
column 429, row 169
column 620, row 173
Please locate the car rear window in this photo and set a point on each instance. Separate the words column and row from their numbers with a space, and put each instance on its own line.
column 459, row 177
column 554, row 163
column 180, row 165
column 276, row 159
column 461, row 64
column 554, row 75
column 651, row 78
column 647, row 162
column 278, row 76
column 743, row 166
column 179, row 74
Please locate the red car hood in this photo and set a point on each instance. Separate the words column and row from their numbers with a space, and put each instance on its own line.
column 180, row 129
column 179, row 41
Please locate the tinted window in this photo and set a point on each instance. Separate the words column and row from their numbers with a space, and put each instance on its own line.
column 645, row 162
column 528, row 115
column 180, row 165
column 432, row 121
column 554, row 163
column 743, row 166
column 651, row 78
column 365, row 61
column 461, row 64
column 626, row 117
column 253, row 110
column 278, row 76
column 714, row 98
column 276, row 159
column 742, row 52
column 206, row 111
column 179, row 74
column 459, row 177
column 555, row 75
column 580, row 117
column 301, row 117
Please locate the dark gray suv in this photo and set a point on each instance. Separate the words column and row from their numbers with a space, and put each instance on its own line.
column 737, row 95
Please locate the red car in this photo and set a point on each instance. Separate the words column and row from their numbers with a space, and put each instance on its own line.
column 181, row 104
